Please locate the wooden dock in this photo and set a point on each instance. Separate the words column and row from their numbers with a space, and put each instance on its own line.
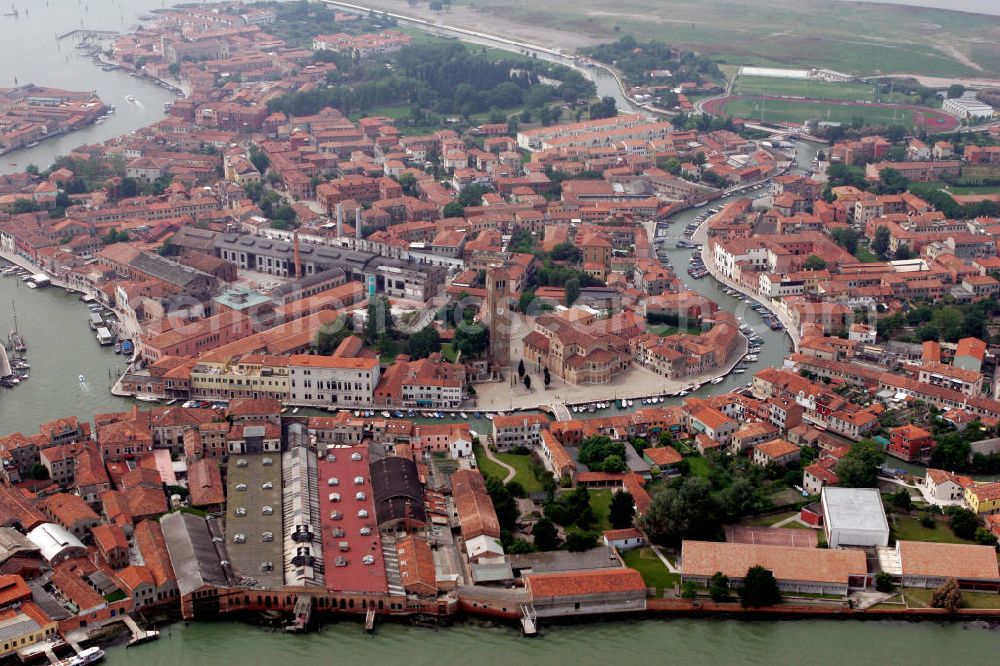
column 301, row 615
column 370, row 620
column 529, row 625
column 79, row 32
column 138, row 635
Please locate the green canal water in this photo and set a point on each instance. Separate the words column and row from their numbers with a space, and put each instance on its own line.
column 651, row 641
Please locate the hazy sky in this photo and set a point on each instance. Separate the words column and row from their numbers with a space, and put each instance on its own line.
column 980, row 6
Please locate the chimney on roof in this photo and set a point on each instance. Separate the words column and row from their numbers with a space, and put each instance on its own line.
column 298, row 259
column 357, row 223
column 340, row 220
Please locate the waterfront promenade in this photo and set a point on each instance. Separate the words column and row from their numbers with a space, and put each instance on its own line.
column 701, row 236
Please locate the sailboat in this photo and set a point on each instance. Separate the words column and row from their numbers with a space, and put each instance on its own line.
column 16, row 341
column 5, row 369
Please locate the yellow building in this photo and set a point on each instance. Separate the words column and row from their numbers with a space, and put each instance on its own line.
column 255, row 376
column 23, row 627
column 984, row 499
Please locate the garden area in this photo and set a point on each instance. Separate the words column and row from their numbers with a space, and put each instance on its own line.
column 654, row 573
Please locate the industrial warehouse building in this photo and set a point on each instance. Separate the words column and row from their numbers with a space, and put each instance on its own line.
column 854, row 517
column 809, row 570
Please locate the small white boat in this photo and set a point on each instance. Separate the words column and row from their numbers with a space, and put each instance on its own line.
column 130, row 98
column 357, row 413
column 147, row 398
column 718, row 380
column 386, row 414
column 296, row 410
column 683, row 393
column 463, row 415
column 83, row 379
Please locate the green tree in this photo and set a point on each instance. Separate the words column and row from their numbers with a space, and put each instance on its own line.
column 546, row 535
column 379, row 320
column 39, row 472
column 880, row 243
column 759, row 588
column 572, row 289
column 814, row 263
column 964, row 523
column 504, row 504
column 423, row 343
column 846, row 238
column 718, row 587
column 859, row 467
column 472, row 339
column 689, row 590
column 947, row 596
column 883, row 582
column 453, row 209
column 622, row 510
column 985, row 537
column 577, row 542
column 595, row 449
column 329, row 337
column 686, row 511
column 955, row 90
column 259, row 160
column 566, row 252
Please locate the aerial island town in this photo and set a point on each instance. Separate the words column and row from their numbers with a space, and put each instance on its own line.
column 412, row 331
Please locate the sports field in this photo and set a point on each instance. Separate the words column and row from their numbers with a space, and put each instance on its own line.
column 808, row 88
column 779, row 110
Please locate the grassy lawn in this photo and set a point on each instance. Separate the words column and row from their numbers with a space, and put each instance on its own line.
column 600, row 502
column 666, row 329
column 865, row 255
column 653, row 571
column 779, row 87
column 487, row 466
column 522, row 463
column 769, row 520
column 916, row 597
column 910, row 529
column 699, row 466
column 448, row 351
column 966, row 189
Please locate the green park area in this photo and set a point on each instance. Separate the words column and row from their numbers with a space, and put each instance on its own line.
column 654, row 573
column 522, row 463
column 910, row 529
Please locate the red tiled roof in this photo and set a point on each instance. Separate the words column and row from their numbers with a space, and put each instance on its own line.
column 579, row 583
